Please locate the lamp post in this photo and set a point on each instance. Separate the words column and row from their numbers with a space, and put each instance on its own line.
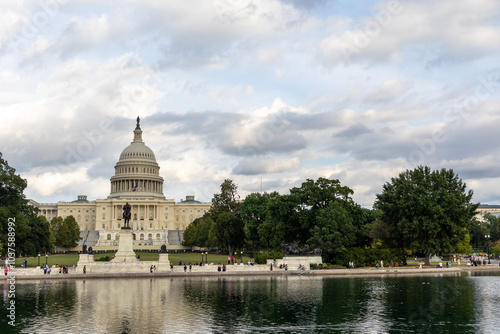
column 46, row 259
column 201, row 256
column 206, row 257
column 39, row 260
column 241, row 257
column 488, row 245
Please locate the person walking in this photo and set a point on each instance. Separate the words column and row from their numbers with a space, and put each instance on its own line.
column 84, row 269
column 6, row 270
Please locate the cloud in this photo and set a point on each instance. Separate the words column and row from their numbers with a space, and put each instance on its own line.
column 249, row 90
column 398, row 30
column 264, row 165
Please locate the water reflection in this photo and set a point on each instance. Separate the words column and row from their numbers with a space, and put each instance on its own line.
column 461, row 304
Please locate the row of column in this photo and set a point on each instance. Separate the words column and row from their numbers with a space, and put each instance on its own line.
column 142, row 185
column 117, row 211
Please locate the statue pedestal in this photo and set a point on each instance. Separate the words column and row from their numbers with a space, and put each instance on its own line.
column 125, row 248
column 163, row 263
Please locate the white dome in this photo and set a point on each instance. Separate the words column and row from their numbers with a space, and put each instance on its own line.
column 137, row 151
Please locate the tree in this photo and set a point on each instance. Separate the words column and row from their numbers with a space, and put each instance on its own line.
column 313, row 196
column 228, row 226
column 255, row 212
column 198, row 232
column 464, row 246
column 68, row 233
column 494, row 226
column 282, row 225
column 478, row 228
column 426, row 211
column 32, row 233
column 335, row 230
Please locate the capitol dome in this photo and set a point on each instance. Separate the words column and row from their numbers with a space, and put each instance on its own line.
column 137, row 173
column 137, row 151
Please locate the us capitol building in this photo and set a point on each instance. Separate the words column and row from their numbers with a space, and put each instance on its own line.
column 155, row 220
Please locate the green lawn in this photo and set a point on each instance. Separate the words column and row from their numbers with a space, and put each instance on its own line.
column 72, row 259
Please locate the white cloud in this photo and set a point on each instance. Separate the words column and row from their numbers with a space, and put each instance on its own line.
column 248, row 87
column 450, row 29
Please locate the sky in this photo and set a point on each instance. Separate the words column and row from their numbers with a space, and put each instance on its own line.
column 268, row 93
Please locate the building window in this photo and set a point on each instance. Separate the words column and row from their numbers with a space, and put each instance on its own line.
column 166, row 216
column 150, row 216
column 142, row 216
column 133, row 237
column 150, row 236
column 118, row 225
column 103, row 226
column 78, row 218
column 109, row 237
column 93, row 218
column 176, row 218
column 157, row 236
column 103, row 216
column 86, row 218
column 142, row 236
column 150, row 225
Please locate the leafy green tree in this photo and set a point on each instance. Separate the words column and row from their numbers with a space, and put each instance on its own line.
column 426, row 211
column 228, row 228
column 464, row 246
column 198, row 232
column 334, row 231
column 478, row 228
column 254, row 212
column 494, row 226
column 32, row 233
column 282, row 225
column 313, row 196
column 68, row 233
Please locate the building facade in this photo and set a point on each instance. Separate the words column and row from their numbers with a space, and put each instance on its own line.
column 155, row 220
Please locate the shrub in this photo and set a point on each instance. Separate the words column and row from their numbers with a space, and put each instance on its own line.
column 262, row 257
column 105, row 258
column 326, row 266
column 369, row 256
